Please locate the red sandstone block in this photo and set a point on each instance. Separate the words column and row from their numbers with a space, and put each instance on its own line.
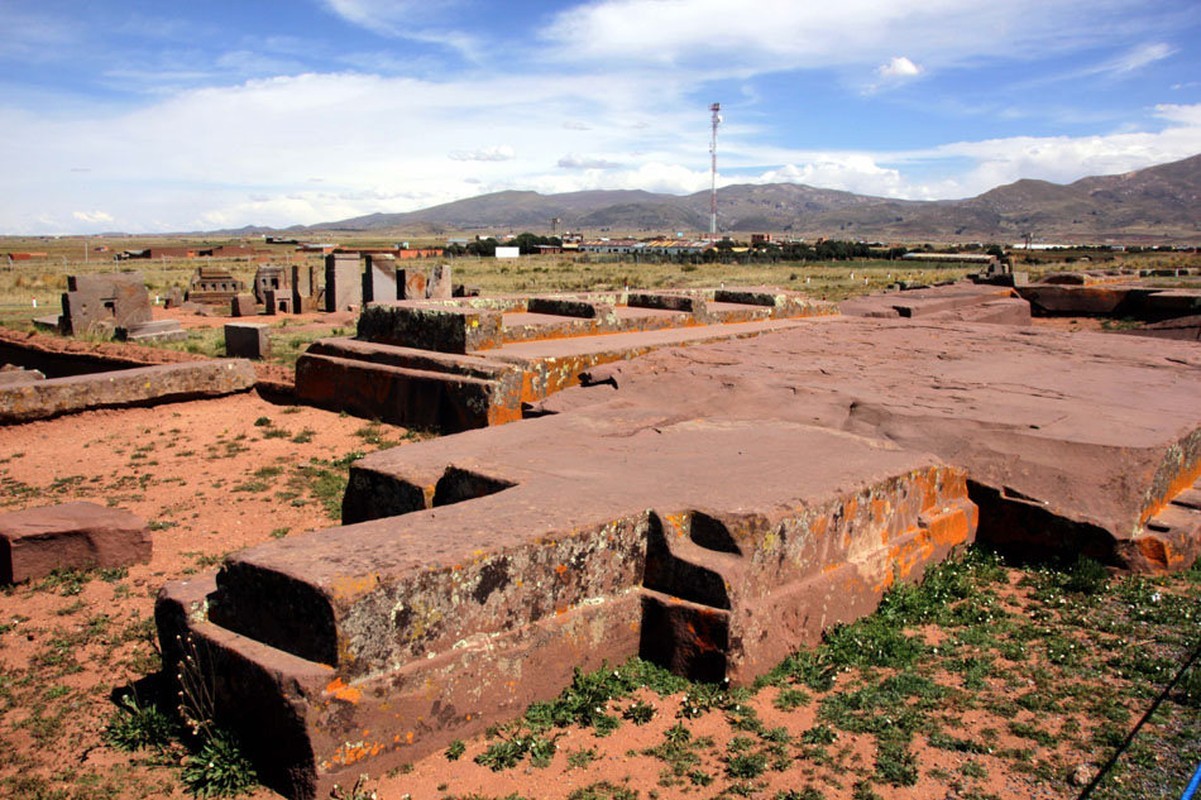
column 37, row 541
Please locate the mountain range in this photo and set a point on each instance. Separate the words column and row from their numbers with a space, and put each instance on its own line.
column 1156, row 205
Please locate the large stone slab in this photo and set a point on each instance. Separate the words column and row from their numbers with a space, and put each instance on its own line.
column 37, row 541
column 959, row 302
column 514, row 554
column 125, row 387
column 1072, row 441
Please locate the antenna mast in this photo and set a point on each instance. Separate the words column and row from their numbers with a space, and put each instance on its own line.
column 716, row 109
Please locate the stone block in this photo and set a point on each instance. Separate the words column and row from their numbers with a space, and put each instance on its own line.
column 305, row 288
column 37, row 541
column 102, row 303
column 141, row 386
column 441, row 285
column 247, row 340
column 159, row 330
column 446, row 330
column 243, row 305
column 215, row 286
column 343, row 283
column 270, row 278
column 380, row 280
column 568, row 307
column 566, row 542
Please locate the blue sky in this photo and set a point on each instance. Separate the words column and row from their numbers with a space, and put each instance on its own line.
column 159, row 116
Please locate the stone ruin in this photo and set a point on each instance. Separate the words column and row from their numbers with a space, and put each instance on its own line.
column 464, row 363
column 214, row 286
column 116, row 304
column 380, row 281
column 287, row 289
column 709, row 507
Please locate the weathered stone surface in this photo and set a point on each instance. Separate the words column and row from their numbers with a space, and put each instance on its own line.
column 247, row 340
column 271, row 278
column 551, row 339
column 963, row 302
column 305, row 289
column 16, row 376
column 37, row 541
column 1073, row 440
column 343, row 283
column 445, row 329
column 1111, row 300
column 159, row 330
column 419, row 389
column 243, row 305
column 380, row 279
column 1183, row 328
column 710, row 507
column 102, row 303
column 565, row 541
column 141, row 386
column 441, row 283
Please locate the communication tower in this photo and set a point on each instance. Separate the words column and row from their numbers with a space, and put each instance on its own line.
column 716, row 109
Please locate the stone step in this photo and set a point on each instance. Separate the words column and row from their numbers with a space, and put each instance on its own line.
column 414, row 398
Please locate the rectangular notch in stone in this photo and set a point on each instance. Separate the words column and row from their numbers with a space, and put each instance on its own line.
column 459, row 485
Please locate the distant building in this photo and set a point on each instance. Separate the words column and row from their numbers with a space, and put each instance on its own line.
column 611, row 246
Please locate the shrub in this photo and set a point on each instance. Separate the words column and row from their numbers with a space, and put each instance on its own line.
column 219, row 769
column 134, row 726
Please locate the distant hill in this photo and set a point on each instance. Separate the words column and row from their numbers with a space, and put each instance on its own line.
column 1154, row 205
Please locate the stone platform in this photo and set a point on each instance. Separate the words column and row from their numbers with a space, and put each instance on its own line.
column 711, row 507
column 513, row 555
column 1071, row 441
column 469, row 363
column 959, row 302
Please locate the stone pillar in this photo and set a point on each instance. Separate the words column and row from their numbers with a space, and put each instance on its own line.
column 343, row 286
column 379, row 280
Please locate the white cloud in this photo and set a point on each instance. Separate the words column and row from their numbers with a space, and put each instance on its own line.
column 898, row 67
column 417, row 20
column 573, row 161
column 777, row 35
column 498, row 153
column 92, row 216
column 1140, row 57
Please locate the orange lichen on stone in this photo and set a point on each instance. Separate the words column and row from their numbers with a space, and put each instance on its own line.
column 339, row 690
column 1182, row 481
column 347, row 587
